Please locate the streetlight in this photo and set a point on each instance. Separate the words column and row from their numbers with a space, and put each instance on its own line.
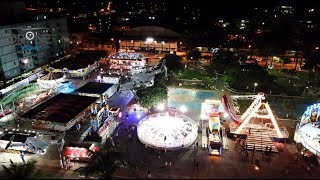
column 113, row 43
column 148, row 41
column 183, row 109
column 220, row 92
column 254, row 89
column 304, row 91
column 160, row 107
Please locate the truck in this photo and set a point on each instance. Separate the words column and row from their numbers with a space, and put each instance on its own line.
column 214, row 134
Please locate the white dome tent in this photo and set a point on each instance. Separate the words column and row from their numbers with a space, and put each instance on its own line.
column 166, row 131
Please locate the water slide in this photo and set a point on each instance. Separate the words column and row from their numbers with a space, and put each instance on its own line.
column 231, row 114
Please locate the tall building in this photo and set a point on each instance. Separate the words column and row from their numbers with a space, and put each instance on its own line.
column 26, row 46
column 29, row 38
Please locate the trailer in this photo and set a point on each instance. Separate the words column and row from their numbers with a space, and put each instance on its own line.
column 214, row 135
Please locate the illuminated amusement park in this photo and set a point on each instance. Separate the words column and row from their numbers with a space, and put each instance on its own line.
column 167, row 130
column 74, row 116
column 153, row 108
column 150, row 90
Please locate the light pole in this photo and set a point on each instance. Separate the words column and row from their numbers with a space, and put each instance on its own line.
column 220, row 93
column 254, row 88
column 148, row 41
column 113, row 44
column 304, row 91
column 183, row 109
column 160, row 107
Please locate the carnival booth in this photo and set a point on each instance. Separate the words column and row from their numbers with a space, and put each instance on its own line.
column 126, row 60
column 56, row 81
column 82, row 152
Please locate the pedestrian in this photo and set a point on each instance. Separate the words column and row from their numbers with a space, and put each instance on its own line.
column 149, row 174
column 22, row 157
column 197, row 144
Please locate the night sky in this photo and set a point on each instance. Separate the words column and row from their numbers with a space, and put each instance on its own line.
column 238, row 8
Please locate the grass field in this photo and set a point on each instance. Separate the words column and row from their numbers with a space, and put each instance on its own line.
column 192, row 73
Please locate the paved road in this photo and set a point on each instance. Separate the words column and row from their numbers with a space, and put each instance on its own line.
column 230, row 165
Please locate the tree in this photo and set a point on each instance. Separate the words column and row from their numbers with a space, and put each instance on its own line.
column 19, row 170
column 285, row 60
column 153, row 95
column 312, row 61
column 194, row 55
column 173, row 62
column 243, row 78
column 242, row 58
column 223, row 61
column 104, row 165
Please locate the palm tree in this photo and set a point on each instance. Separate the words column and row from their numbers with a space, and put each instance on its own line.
column 104, row 165
column 19, row 170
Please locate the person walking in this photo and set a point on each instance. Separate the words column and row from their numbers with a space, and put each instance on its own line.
column 149, row 174
column 22, row 157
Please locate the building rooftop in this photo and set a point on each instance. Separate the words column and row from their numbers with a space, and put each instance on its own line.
column 78, row 61
column 94, row 88
column 18, row 136
column 61, row 108
column 126, row 56
column 152, row 31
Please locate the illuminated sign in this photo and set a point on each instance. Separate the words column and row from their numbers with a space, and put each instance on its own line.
column 40, row 35
column 29, row 35
column 311, row 115
column 30, row 47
